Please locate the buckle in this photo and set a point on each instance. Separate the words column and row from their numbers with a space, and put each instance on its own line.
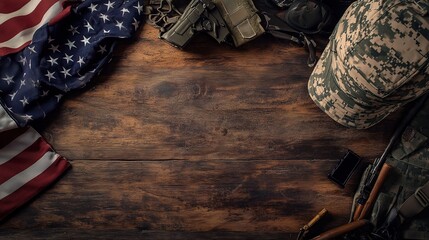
column 420, row 7
column 422, row 197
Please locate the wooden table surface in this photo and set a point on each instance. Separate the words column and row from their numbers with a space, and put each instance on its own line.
column 209, row 143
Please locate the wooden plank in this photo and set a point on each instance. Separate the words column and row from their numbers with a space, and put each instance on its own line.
column 213, row 102
column 119, row 234
column 187, row 196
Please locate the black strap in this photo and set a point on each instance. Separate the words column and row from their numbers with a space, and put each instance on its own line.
column 279, row 29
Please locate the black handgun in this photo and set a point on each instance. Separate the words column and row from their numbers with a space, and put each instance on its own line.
column 199, row 16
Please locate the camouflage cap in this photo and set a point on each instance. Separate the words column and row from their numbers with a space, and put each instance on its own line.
column 376, row 61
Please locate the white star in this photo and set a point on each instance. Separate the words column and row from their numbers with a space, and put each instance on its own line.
column 50, row 39
column 138, row 7
column 109, row 5
column 52, row 61
column 59, row 96
column 29, row 64
column 66, row 88
column 22, row 83
column 88, row 26
column 50, row 75
column 54, row 48
column 36, row 83
column 85, row 40
column 22, row 60
column 66, row 72
column 104, row 17
column 119, row 25
column 80, row 61
column 32, row 49
column 45, row 93
column 102, row 49
column 68, row 58
column 93, row 7
column 106, row 31
column 8, row 79
column 24, row 101
column 12, row 96
column 70, row 44
column 27, row 117
column 73, row 30
column 124, row 10
column 135, row 24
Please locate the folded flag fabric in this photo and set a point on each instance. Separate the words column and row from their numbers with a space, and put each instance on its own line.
column 63, row 56
column 47, row 49
column 20, row 19
column 28, row 164
column 6, row 122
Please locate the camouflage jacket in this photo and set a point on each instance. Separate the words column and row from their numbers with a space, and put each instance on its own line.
column 410, row 161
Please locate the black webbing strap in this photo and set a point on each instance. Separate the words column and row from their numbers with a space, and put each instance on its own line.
column 279, row 29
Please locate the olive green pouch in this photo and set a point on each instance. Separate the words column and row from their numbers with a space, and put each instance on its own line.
column 241, row 18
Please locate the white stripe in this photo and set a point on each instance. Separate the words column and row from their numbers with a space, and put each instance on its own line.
column 6, row 122
column 27, row 34
column 25, row 10
column 18, row 145
column 28, row 174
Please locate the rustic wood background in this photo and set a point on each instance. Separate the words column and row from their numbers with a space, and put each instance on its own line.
column 209, row 143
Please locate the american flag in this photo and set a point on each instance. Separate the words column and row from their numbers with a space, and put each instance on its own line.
column 28, row 164
column 19, row 20
column 47, row 49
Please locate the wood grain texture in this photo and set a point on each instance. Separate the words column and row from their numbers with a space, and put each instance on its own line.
column 120, row 234
column 217, row 102
column 191, row 196
column 210, row 143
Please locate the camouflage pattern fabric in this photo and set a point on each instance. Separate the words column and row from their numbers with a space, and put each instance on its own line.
column 410, row 162
column 376, row 61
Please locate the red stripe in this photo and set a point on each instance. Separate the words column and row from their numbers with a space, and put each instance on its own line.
column 13, row 26
column 23, row 160
column 8, row 136
column 11, row 6
column 33, row 187
column 5, row 50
